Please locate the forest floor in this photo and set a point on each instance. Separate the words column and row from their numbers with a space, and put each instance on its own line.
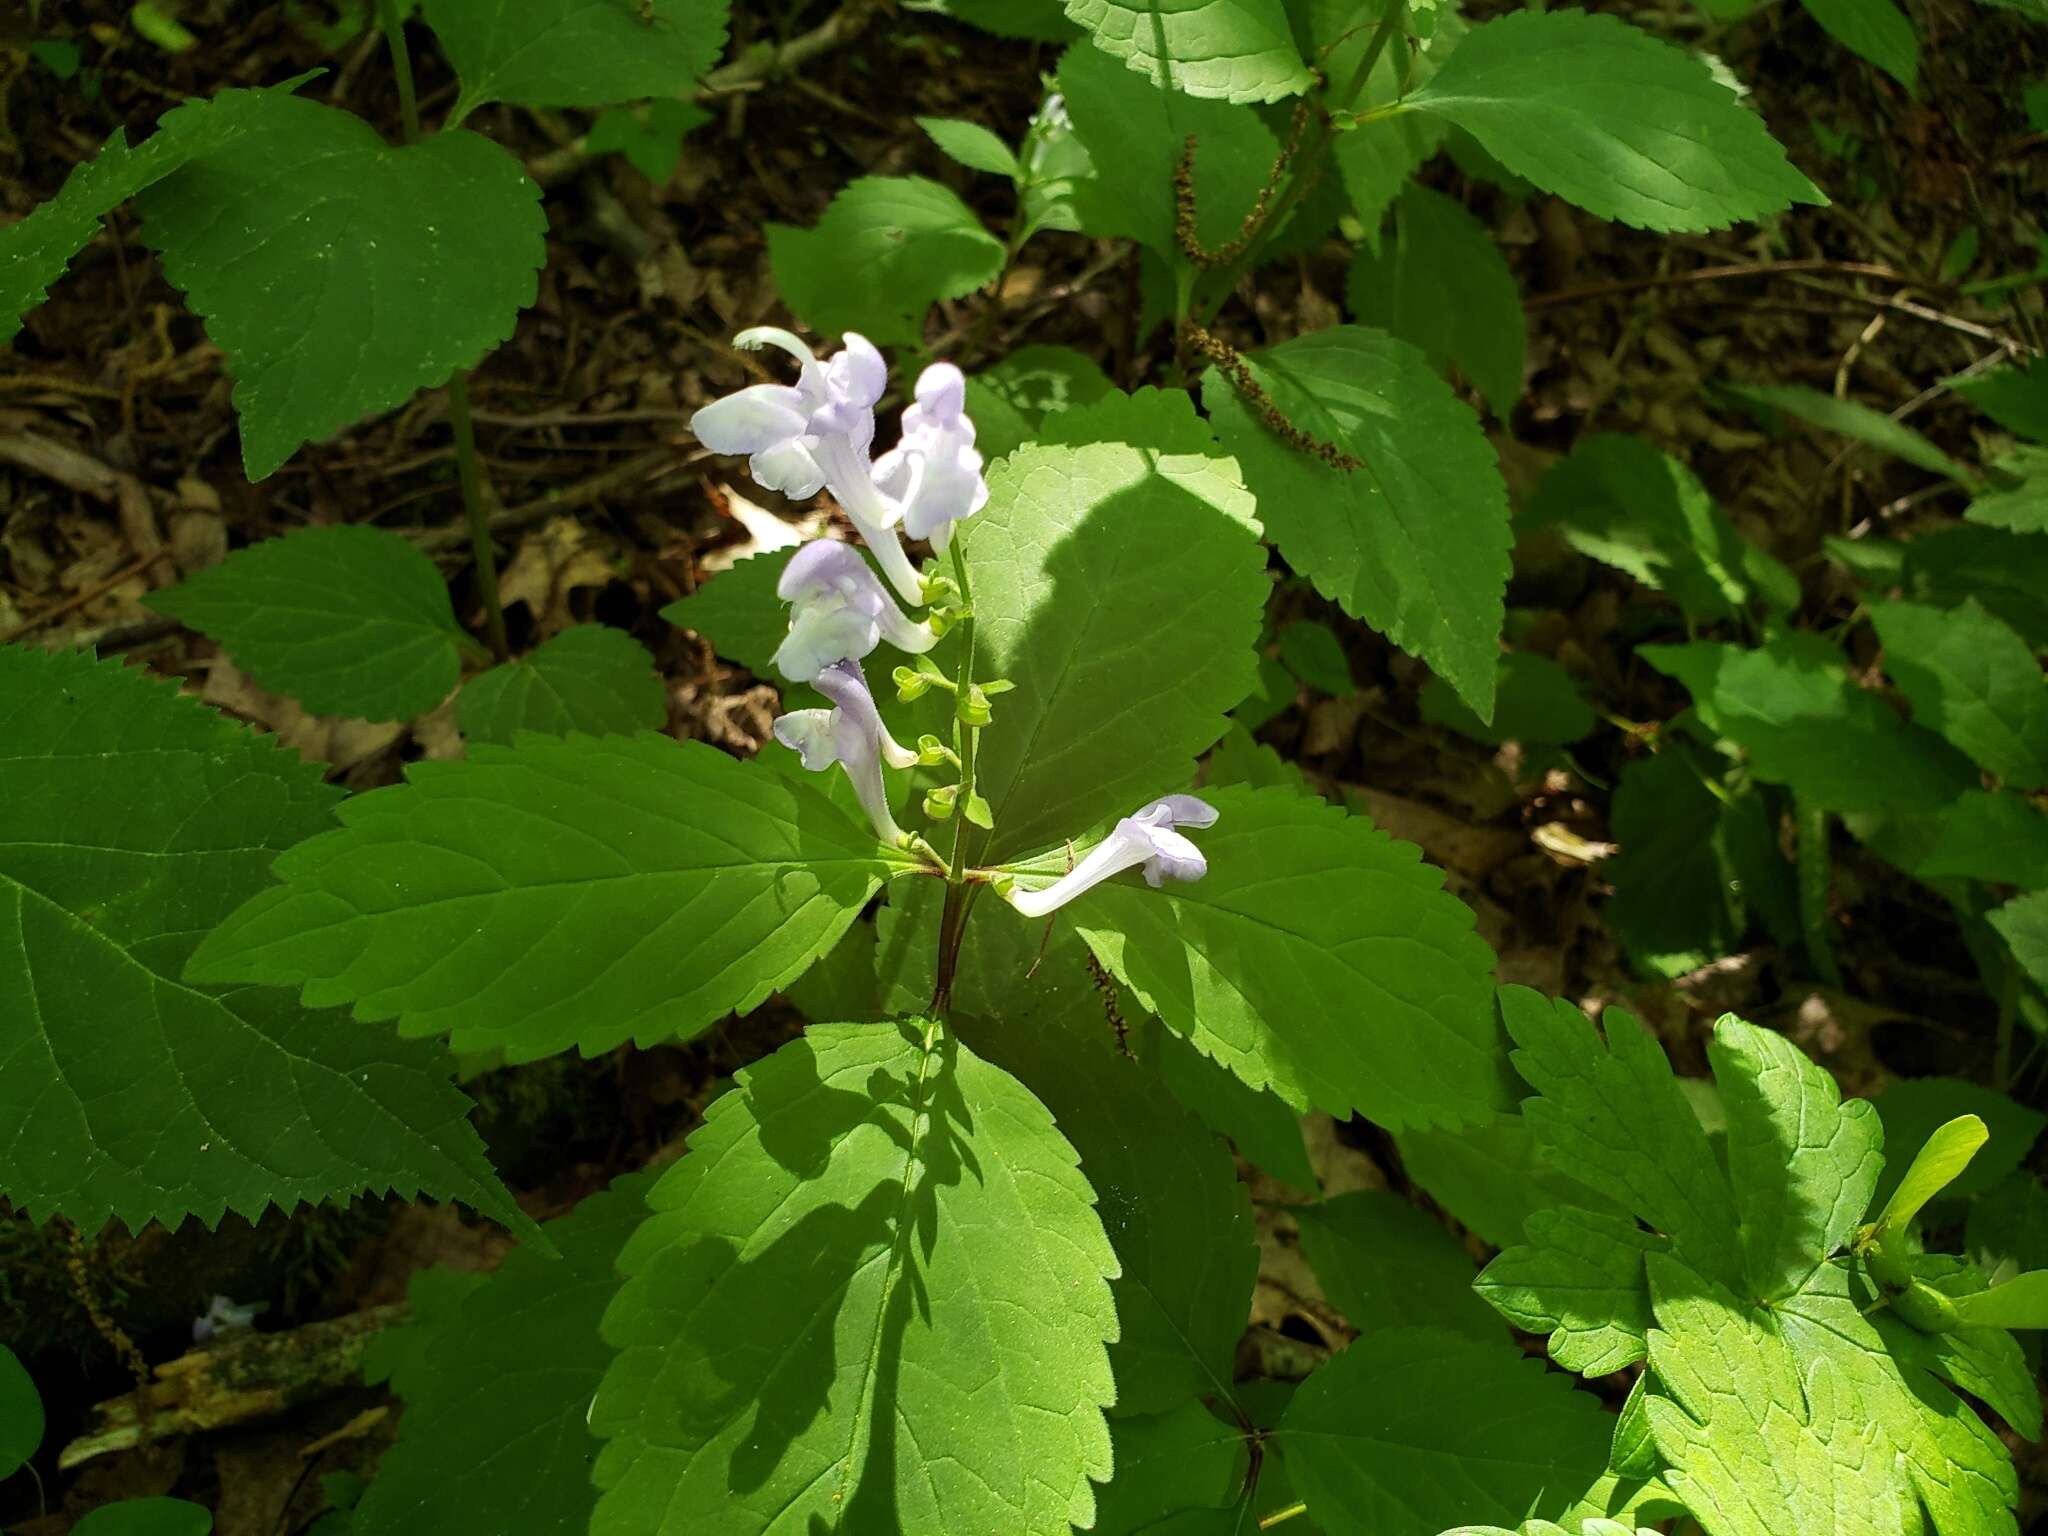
column 120, row 469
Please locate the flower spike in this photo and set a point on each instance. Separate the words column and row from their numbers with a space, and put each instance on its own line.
column 1146, row 837
column 816, row 436
column 839, row 611
column 852, row 735
column 934, row 473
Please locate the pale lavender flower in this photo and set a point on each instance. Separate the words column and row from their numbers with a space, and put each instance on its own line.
column 852, row 735
column 1146, row 837
column 816, row 436
column 223, row 1316
column 839, row 612
column 933, row 474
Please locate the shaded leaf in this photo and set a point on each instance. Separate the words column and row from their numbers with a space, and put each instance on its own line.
column 1970, row 678
column 737, row 613
column 348, row 621
column 590, row 679
column 303, row 249
column 1792, row 707
column 1912, row 1107
column 472, row 1455
column 886, row 250
column 1317, row 957
column 1535, row 701
column 576, row 53
column 1385, row 1264
column 1851, row 419
column 535, row 898
column 131, row 821
column 1122, row 592
column 1496, row 1436
column 1415, row 539
column 1876, row 30
column 1011, row 399
column 1441, row 283
column 1579, row 1278
column 874, row 1295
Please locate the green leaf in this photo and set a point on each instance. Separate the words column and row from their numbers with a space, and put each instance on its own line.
column 1264, row 1127
column 887, row 249
column 1802, row 1163
column 1489, row 1177
column 1579, row 1279
column 145, row 1517
column 1604, row 115
column 1238, row 759
column 1495, row 1436
column 1853, row 420
column 1443, row 285
column 1163, row 420
column 843, row 987
column 1178, row 1218
column 2014, row 397
column 1137, row 133
column 650, row 136
column 536, row 898
column 1238, row 50
column 472, row 1455
column 1785, row 1408
column 2008, row 1225
column 576, row 53
column 1415, row 539
column 1010, row 400
column 21, row 1414
column 1034, row 20
column 1875, row 30
column 346, row 620
column 2022, row 1302
column 1313, row 653
column 873, row 1297
column 1792, row 707
column 2021, row 507
column 1996, row 837
column 1377, row 161
column 1944, row 1157
column 303, row 247
column 34, row 251
column 1615, row 1120
column 1385, row 1264
column 2006, row 572
column 1535, row 701
column 2023, row 924
column 737, row 613
column 971, row 145
column 1680, row 898
column 591, row 679
column 131, row 821
column 1308, row 914
column 1620, row 501
column 1987, row 1363
column 1913, row 1108
column 1973, row 680
column 1806, row 1413
column 1122, row 592
column 1181, row 1473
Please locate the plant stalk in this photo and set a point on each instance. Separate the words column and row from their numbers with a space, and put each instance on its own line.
column 401, row 66
column 479, row 517
column 1816, row 880
column 1307, row 163
column 953, row 917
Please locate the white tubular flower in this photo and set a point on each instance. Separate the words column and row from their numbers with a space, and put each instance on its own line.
column 839, row 612
column 816, row 436
column 933, row 474
column 1147, row 837
column 852, row 735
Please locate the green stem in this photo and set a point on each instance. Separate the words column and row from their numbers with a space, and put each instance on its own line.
column 1301, row 174
column 2008, row 1013
column 458, row 387
column 953, row 918
column 1282, row 1516
column 479, row 519
column 401, row 65
column 1816, row 880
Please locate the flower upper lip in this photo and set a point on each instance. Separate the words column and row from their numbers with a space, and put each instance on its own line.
column 1146, row 837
